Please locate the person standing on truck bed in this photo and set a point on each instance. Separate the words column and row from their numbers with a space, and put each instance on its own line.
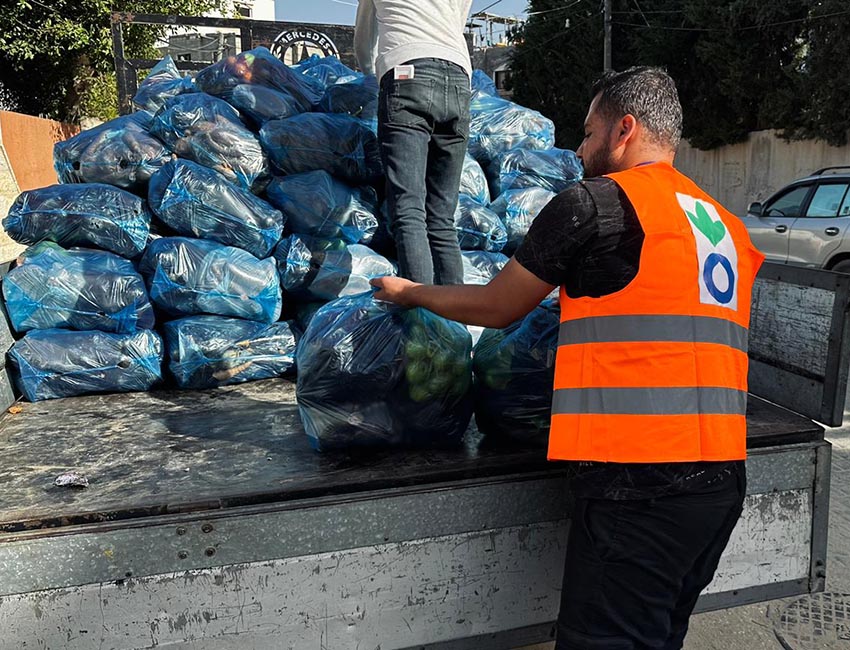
column 650, row 388
column 418, row 52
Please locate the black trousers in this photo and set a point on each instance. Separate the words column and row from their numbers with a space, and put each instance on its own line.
column 635, row 568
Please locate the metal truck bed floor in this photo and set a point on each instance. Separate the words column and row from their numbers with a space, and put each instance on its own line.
column 157, row 453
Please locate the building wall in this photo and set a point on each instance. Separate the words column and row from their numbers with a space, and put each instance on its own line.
column 750, row 171
column 201, row 43
column 494, row 60
column 260, row 9
column 263, row 10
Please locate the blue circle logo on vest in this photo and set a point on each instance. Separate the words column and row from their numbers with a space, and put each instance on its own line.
column 716, row 254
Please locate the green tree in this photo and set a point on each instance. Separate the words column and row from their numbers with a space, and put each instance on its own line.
column 820, row 108
column 742, row 74
column 740, row 65
column 56, row 55
column 558, row 55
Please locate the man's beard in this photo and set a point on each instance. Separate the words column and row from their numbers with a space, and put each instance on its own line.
column 598, row 164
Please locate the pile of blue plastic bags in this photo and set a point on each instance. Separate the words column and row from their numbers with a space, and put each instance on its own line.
column 227, row 231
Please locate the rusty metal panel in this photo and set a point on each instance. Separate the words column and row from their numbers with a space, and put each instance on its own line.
column 392, row 596
column 771, row 543
column 790, row 467
column 475, row 589
column 76, row 555
column 800, row 340
column 103, row 552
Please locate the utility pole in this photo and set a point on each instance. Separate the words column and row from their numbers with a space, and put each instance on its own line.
column 606, row 64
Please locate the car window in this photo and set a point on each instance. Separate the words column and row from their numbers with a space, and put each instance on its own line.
column 789, row 204
column 827, row 200
column 844, row 210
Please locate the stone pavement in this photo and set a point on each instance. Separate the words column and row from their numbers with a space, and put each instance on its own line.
column 752, row 627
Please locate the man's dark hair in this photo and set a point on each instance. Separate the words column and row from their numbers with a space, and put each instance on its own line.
column 647, row 93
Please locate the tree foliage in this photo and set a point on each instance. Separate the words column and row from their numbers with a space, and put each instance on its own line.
column 55, row 54
column 740, row 65
column 820, row 107
column 558, row 56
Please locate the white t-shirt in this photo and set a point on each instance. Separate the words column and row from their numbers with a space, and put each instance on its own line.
column 390, row 32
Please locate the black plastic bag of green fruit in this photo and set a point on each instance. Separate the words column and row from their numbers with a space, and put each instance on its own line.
column 374, row 374
column 514, row 374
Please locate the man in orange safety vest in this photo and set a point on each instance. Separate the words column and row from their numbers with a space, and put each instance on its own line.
column 650, row 393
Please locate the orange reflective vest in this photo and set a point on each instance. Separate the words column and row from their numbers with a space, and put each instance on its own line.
column 657, row 372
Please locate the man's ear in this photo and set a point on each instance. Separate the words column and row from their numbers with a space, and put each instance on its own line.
column 626, row 129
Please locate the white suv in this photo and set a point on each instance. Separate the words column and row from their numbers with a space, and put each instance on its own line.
column 806, row 222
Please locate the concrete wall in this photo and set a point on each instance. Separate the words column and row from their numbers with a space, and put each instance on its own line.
column 751, row 171
column 26, row 162
column 492, row 60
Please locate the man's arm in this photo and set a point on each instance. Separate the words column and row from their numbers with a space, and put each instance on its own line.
column 366, row 36
column 512, row 294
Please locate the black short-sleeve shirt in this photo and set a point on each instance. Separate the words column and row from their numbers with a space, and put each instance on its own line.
column 588, row 239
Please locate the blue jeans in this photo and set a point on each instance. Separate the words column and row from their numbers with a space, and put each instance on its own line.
column 423, row 126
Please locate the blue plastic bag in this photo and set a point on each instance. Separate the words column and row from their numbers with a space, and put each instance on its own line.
column 196, row 201
column 342, row 145
column 473, row 181
column 371, row 373
column 258, row 67
column 86, row 214
column 326, row 70
column 482, row 82
column 552, row 169
column 316, row 204
column 497, row 125
column 315, row 269
column 208, row 131
column 208, row 351
column 304, row 312
column 514, row 374
column 62, row 363
column 262, row 104
column 358, row 97
column 479, row 267
column 478, row 227
column 517, row 209
column 197, row 276
column 120, row 152
column 78, row 289
column 163, row 82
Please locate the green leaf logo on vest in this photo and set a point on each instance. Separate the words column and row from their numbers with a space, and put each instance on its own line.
column 713, row 230
column 717, row 258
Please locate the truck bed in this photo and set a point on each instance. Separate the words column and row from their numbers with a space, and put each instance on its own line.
column 148, row 454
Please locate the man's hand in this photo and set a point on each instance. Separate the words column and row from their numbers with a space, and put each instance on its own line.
column 513, row 293
column 392, row 289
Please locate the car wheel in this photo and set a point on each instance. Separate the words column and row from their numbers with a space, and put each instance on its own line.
column 841, row 267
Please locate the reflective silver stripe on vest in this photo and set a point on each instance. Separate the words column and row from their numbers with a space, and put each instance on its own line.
column 687, row 329
column 650, row 401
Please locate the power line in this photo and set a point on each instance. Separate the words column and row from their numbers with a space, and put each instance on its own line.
column 564, row 31
column 642, row 15
column 734, row 29
column 659, row 11
column 493, row 4
column 549, row 11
